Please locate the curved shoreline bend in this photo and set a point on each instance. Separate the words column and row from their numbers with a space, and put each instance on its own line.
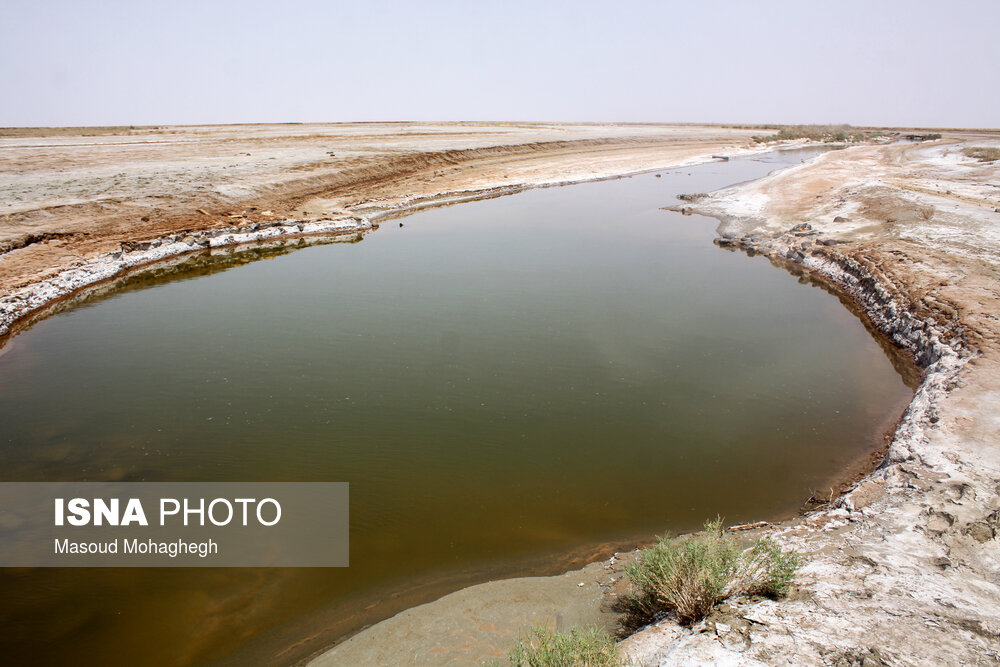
column 905, row 568
column 69, row 221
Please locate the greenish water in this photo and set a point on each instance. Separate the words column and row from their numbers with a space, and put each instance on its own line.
column 502, row 383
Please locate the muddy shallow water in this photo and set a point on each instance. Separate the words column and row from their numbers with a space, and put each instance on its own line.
column 502, row 383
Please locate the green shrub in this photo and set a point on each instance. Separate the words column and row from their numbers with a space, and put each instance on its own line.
column 576, row 648
column 691, row 576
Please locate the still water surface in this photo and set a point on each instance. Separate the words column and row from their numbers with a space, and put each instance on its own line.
column 502, row 383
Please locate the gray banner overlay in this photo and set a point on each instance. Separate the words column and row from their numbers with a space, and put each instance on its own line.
column 174, row 524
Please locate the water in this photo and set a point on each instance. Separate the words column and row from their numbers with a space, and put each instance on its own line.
column 502, row 382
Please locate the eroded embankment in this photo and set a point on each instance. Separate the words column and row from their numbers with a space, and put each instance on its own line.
column 905, row 569
column 53, row 244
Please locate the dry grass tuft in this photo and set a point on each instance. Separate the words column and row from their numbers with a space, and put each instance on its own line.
column 576, row 648
column 983, row 154
column 689, row 577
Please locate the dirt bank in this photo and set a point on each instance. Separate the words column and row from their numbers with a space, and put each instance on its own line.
column 906, row 569
column 77, row 209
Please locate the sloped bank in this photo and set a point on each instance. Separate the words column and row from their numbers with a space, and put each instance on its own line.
column 937, row 344
column 344, row 197
column 904, row 569
column 69, row 222
column 24, row 305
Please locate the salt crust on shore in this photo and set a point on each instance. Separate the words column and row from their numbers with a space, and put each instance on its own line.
column 28, row 299
column 905, row 569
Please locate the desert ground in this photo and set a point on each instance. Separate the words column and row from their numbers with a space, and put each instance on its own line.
column 903, row 569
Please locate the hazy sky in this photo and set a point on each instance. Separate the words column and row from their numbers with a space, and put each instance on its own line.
column 87, row 62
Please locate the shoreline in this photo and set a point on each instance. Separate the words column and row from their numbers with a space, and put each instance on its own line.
column 607, row 567
column 899, row 516
column 943, row 353
column 23, row 306
column 874, row 569
column 840, row 477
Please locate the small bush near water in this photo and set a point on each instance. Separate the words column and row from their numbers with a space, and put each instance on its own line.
column 576, row 648
column 691, row 576
column 687, row 576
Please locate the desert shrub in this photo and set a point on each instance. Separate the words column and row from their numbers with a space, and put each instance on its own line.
column 824, row 133
column 576, row 648
column 983, row 154
column 690, row 576
column 764, row 569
